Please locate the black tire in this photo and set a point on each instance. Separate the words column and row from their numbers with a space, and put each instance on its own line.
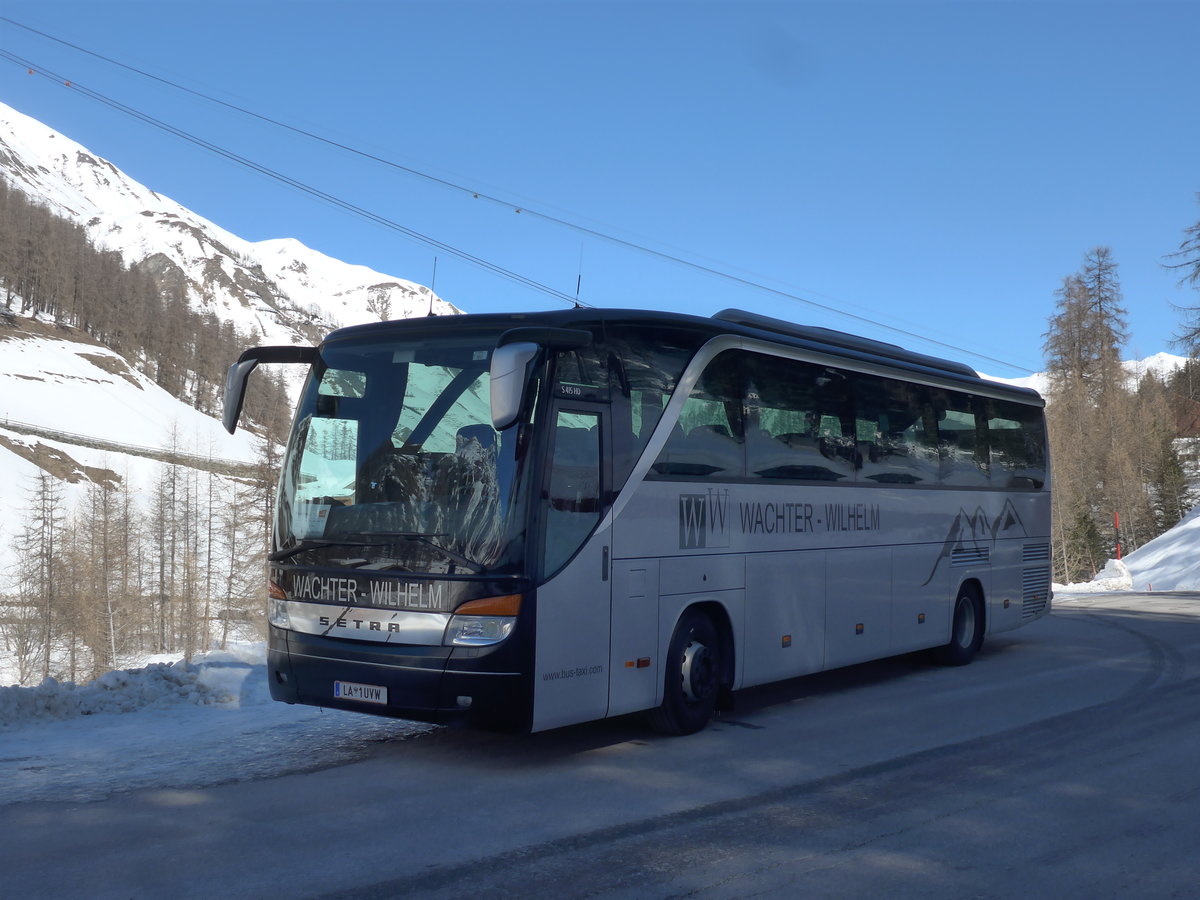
column 966, row 634
column 692, row 682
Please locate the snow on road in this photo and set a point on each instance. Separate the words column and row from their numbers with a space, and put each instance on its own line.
column 179, row 725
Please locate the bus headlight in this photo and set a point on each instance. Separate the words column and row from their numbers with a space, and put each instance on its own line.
column 277, row 613
column 478, row 623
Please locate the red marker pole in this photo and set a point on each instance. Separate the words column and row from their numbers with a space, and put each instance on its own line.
column 1117, row 529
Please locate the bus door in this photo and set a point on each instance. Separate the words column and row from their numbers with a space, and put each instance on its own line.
column 572, row 644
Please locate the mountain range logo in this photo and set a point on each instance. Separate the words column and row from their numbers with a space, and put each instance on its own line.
column 976, row 530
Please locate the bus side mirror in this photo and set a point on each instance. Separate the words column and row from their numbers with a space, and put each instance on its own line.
column 510, row 365
column 235, row 392
column 235, row 378
column 515, row 350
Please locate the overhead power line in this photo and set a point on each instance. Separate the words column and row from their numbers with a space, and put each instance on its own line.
column 295, row 183
column 477, row 194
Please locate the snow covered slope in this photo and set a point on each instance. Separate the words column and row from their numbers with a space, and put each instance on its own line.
column 75, row 409
column 57, row 379
column 1170, row 562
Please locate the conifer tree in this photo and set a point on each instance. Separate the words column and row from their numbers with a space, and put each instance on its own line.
column 1104, row 449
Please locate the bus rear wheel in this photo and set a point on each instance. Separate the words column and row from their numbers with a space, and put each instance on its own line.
column 693, row 677
column 966, row 635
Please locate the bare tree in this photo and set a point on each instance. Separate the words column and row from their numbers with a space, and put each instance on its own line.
column 21, row 634
column 1186, row 261
column 38, row 553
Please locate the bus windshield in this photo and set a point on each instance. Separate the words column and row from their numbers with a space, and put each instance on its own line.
column 393, row 463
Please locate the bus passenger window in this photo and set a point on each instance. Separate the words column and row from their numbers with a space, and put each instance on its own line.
column 1018, row 443
column 644, row 368
column 962, row 439
column 798, row 422
column 896, row 442
column 707, row 440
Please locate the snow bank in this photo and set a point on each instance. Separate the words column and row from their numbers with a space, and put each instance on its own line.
column 215, row 681
column 1113, row 577
column 1170, row 562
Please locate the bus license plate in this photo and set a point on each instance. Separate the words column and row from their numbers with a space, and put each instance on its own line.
column 365, row 693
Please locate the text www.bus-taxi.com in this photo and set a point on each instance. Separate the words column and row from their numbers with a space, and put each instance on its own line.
column 577, row 672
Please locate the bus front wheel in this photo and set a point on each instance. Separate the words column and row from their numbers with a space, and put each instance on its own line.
column 693, row 676
column 966, row 635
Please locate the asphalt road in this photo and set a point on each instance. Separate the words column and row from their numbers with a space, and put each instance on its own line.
column 1065, row 762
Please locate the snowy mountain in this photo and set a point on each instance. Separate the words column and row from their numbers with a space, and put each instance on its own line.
column 278, row 290
column 1163, row 364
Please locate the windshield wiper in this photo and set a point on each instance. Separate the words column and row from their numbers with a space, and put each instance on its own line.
column 314, row 544
column 423, row 538
column 427, row 539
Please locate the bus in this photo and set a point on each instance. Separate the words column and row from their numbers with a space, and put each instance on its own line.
column 534, row 520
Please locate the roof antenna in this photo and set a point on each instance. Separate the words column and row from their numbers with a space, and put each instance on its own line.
column 579, row 278
column 432, row 290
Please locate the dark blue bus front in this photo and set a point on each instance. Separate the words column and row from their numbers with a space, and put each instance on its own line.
column 396, row 576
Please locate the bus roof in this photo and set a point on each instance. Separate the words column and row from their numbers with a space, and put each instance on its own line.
column 727, row 321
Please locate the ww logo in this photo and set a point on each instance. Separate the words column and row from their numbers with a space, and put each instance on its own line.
column 704, row 520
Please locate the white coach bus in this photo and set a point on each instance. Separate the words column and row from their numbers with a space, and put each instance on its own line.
column 542, row 519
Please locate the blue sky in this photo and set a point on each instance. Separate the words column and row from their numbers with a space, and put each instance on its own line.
column 923, row 173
